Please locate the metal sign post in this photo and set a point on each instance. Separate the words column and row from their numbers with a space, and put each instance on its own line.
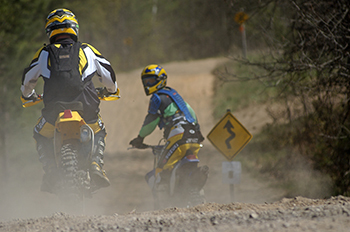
column 231, row 174
column 244, row 40
column 240, row 18
column 229, row 136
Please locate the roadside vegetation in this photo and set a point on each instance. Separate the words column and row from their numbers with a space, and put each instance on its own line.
column 306, row 60
column 239, row 93
column 270, row 155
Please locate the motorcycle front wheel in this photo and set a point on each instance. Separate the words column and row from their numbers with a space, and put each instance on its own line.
column 70, row 193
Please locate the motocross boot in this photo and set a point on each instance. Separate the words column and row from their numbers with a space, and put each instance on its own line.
column 98, row 175
column 46, row 157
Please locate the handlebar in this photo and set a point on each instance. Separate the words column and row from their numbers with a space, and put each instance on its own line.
column 28, row 103
column 111, row 97
column 104, row 95
column 156, row 149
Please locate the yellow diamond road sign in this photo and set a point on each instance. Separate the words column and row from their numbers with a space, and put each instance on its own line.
column 229, row 136
column 241, row 17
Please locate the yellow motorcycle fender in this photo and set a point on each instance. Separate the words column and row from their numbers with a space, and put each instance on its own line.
column 68, row 123
column 47, row 129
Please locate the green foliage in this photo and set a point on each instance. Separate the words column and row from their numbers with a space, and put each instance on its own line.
column 19, row 36
column 307, row 50
column 193, row 35
column 238, row 93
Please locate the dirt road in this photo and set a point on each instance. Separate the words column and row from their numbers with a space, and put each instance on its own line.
column 287, row 215
column 127, row 204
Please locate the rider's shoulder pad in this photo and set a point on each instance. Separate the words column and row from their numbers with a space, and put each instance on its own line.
column 154, row 104
column 85, row 45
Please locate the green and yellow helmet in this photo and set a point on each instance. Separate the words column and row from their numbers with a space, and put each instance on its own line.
column 61, row 21
column 153, row 78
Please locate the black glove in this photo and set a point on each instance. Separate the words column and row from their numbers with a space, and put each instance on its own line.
column 103, row 92
column 34, row 97
column 137, row 142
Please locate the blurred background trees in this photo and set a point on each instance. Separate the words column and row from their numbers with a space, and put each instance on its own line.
column 304, row 55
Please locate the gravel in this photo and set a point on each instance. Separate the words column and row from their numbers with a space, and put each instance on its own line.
column 289, row 214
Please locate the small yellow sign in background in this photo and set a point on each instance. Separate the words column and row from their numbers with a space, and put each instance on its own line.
column 241, row 17
column 229, row 136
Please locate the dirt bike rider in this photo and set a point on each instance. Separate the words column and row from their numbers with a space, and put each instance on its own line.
column 67, row 67
column 170, row 112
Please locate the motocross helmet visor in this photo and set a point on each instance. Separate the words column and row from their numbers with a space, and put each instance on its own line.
column 149, row 81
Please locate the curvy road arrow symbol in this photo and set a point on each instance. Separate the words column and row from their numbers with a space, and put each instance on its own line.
column 229, row 128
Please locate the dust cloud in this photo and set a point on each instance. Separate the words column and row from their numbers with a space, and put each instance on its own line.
column 21, row 196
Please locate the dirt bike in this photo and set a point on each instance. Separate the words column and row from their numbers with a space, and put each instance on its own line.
column 73, row 147
column 182, row 186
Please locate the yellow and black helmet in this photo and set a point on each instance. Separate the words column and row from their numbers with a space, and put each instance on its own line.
column 153, row 78
column 61, row 21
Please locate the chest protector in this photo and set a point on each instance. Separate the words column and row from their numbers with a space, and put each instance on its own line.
column 181, row 104
column 65, row 82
